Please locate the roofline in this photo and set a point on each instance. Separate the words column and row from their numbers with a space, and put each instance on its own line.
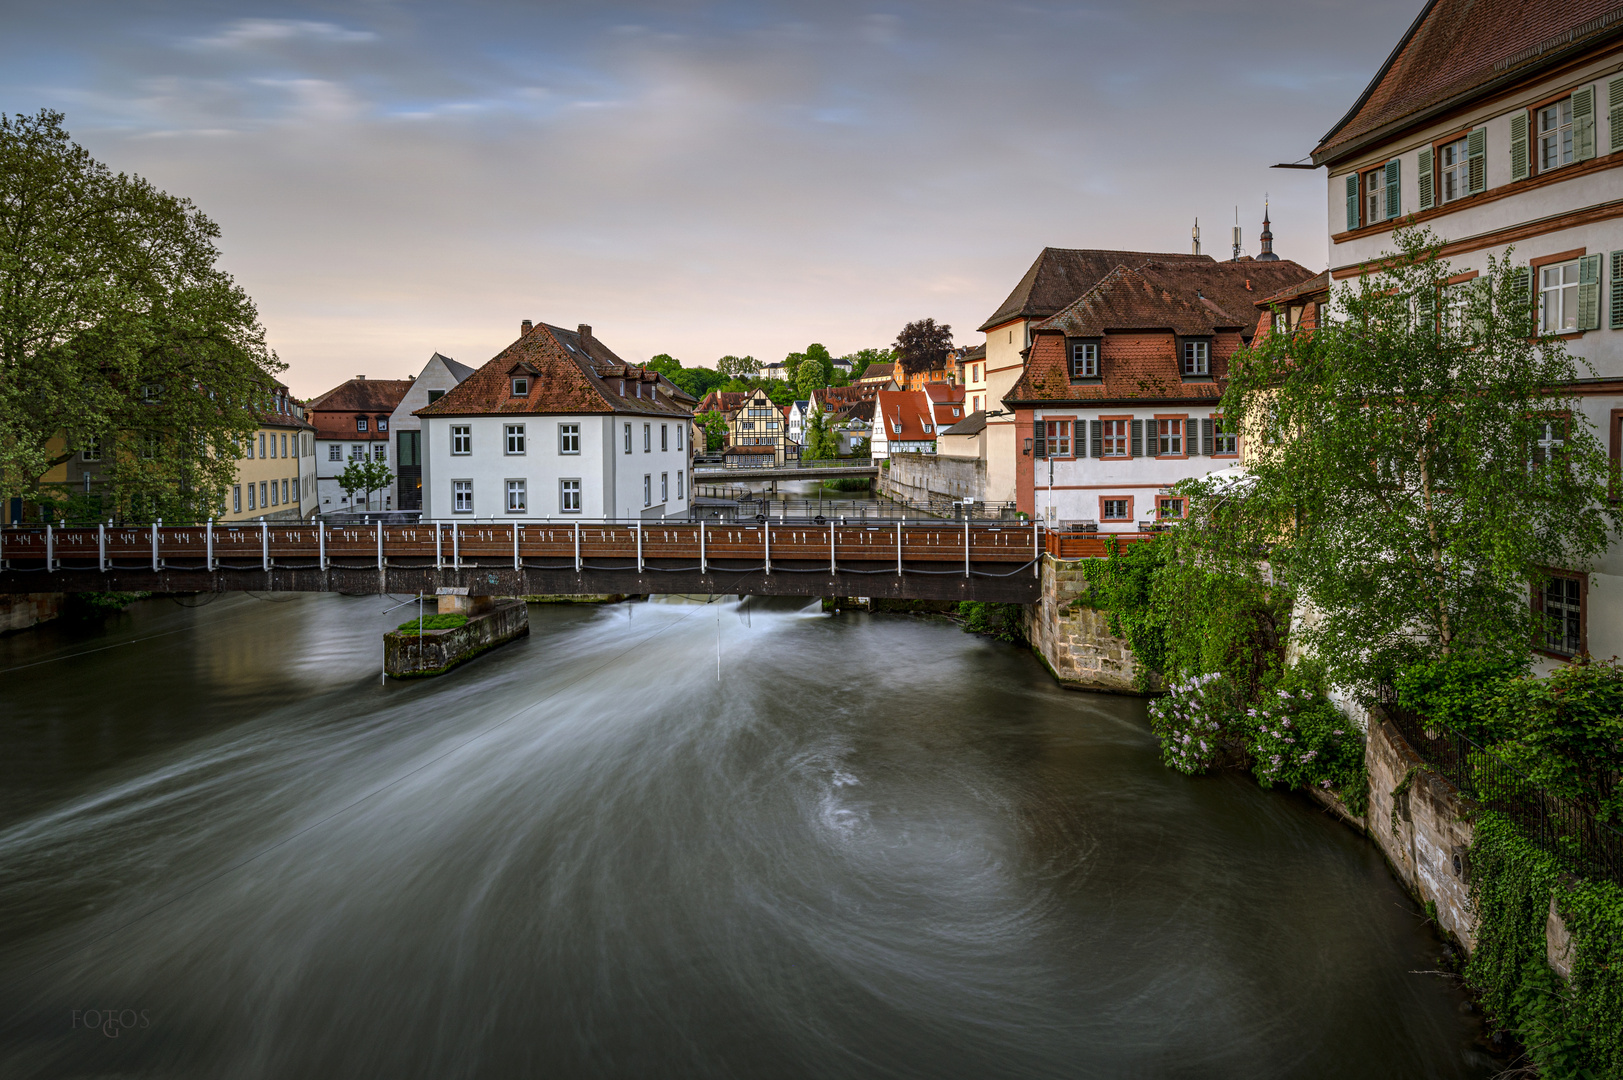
column 1380, row 74
column 1544, row 62
column 554, row 412
column 1216, row 328
column 1092, row 402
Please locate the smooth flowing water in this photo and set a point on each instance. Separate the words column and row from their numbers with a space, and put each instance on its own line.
column 873, row 847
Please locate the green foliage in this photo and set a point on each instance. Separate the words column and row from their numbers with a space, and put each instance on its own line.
column 664, row 363
column 1000, row 621
column 862, row 448
column 847, row 483
column 923, row 346
column 1195, row 722
column 862, row 358
column 1565, row 733
column 117, row 328
column 1569, row 1030
column 1298, row 737
column 1457, row 691
column 821, row 443
column 447, row 621
column 810, row 377
column 99, row 605
column 364, row 475
column 730, row 367
column 714, row 426
column 1394, row 464
column 697, row 381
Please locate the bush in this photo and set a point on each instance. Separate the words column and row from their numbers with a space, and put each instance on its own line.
column 99, row 605
column 1001, row 621
column 1297, row 737
column 1457, row 692
column 847, row 483
column 1194, row 722
column 432, row 622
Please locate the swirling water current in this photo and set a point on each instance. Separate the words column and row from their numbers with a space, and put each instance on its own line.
column 664, row 839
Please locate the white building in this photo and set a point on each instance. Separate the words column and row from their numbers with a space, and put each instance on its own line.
column 903, row 423
column 352, row 424
column 558, row 426
column 440, row 375
column 1498, row 125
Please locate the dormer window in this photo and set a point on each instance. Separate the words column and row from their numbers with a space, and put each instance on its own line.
column 521, row 386
column 383, row 423
column 1084, row 359
column 360, row 423
column 1197, row 358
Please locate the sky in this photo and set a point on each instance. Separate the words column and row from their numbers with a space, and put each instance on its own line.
column 397, row 178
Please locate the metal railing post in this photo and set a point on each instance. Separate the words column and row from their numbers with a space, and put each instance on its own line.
column 516, row 566
column 766, row 533
column 379, row 527
column 439, row 559
column 832, row 569
column 1036, row 551
column 321, row 544
column 898, row 548
column 703, row 568
column 50, row 550
column 456, row 546
column 639, row 545
column 101, row 545
column 577, row 545
column 156, row 562
column 966, row 547
column 264, row 545
column 208, row 546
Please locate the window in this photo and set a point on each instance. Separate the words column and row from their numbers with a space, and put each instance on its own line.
column 1226, row 441
column 284, row 446
column 261, row 444
column 1563, row 609
column 515, row 438
column 568, row 438
column 236, row 498
column 679, row 436
column 1169, row 508
column 647, row 490
column 357, row 452
column 521, row 386
column 1197, row 358
column 628, row 438
column 335, row 451
column 91, row 451
column 647, row 438
column 664, row 487
column 1555, row 134
column 1454, row 178
column 1057, row 434
column 380, row 451
column 360, row 423
column 1115, row 509
column 252, row 505
column 284, row 492
column 516, row 500
column 435, row 395
column 679, row 494
column 462, row 496
column 1375, row 196
column 272, row 444
column 1116, row 434
column 262, row 486
column 1169, row 438
column 409, row 448
column 569, row 496
column 383, row 423
column 1558, row 297
column 275, row 500
column 664, row 437
column 461, row 439
column 1552, row 436
column 1085, row 360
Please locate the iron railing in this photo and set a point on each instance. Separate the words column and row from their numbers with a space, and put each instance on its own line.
column 1557, row 825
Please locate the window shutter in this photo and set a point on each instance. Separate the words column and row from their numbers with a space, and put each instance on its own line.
column 1583, row 124
column 1521, row 278
column 1425, row 307
column 1352, row 199
column 1614, row 103
column 1098, row 438
column 1138, row 438
column 1206, row 437
column 1427, row 194
column 1079, row 442
column 1476, row 155
column 1589, row 292
column 1518, row 146
column 1617, row 286
column 1041, row 443
column 1394, row 175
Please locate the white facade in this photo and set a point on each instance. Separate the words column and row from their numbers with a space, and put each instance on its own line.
column 332, row 455
column 539, row 466
column 438, row 376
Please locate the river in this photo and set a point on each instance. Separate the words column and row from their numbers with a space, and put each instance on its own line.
column 874, row 846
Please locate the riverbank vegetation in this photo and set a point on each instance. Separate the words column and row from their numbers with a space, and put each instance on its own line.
column 1413, row 471
column 446, row 621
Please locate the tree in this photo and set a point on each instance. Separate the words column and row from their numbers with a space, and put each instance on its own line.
column 1415, row 463
column 923, row 346
column 791, row 367
column 697, row 381
column 365, row 476
column 819, row 355
column 714, row 426
column 812, row 377
column 862, row 358
column 821, row 443
column 117, row 329
column 733, row 366
column 666, row 364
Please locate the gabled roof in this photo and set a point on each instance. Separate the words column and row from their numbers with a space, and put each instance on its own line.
column 458, row 371
column 1060, row 275
column 723, row 401
column 876, row 372
column 973, row 424
column 361, row 394
column 1188, row 298
column 1318, row 285
column 1457, row 49
column 573, row 373
column 908, row 408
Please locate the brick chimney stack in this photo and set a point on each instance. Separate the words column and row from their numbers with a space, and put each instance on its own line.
column 584, row 331
column 525, row 327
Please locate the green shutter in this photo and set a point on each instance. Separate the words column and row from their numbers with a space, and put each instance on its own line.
column 1589, row 292
column 1041, row 441
column 1206, row 437
column 1427, row 193
column 1617, row 287
column 1614, row 102
column 1476, row 154
column 1521, row 278
column 1352, row 201
column 1098, row 429
column 1518, row 146
column 1393, row 199
column 1138, row 438
column 1583, row 124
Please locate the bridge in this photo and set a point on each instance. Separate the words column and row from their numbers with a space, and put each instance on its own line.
column 921, row 559
column 819, row 470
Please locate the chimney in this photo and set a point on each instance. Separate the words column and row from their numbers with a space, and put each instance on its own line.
column 361, row 377
column 584, row 331
column 525, row 327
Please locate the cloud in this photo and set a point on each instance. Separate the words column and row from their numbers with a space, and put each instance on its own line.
column 255, row 33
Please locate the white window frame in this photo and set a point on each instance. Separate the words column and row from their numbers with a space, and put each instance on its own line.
column 1197, row 358
column 252, row 506
column 462, row 496
column 262, row 493
column 648, row 438
column 360, row 423
column 1169, row 435
column 521, row 386
column 664, row 438
column 1374, row 188
column 461, row 440
column 1565, row 308
column 679, row 495
column 1122, row 442
column 569, row 438
column 380, row 451
column 1085, row 360
column 664, row 487
column 647, row 489
column 335, row 452
column 236, row 498
column 1161, row 508
column 1105, row 514
column 285, row 499
column 679, row 436
column 569, row 493
column 1224, row 442
column 1453, row 170
column 1555, row 140
column 628, row 436
column 517, row 486
column 513, row 439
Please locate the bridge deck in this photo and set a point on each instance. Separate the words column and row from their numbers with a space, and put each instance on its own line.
column 923, row 559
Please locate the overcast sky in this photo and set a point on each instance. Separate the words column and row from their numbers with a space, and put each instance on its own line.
column 395, row 178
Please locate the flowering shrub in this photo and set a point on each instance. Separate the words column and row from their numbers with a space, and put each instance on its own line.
column 1193, row 721
column 1300, row 739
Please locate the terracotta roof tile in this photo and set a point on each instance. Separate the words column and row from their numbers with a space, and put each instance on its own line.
column 363, row 395
column 907, row 409
column 1060, row 275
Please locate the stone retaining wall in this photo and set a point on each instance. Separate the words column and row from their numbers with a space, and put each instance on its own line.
column 933, row 480
column 408, row 656
column 1073, row 639
column 19, row 611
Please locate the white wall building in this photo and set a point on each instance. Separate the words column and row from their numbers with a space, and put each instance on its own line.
column 558, row 426
column 440, row 375
column 352, row 423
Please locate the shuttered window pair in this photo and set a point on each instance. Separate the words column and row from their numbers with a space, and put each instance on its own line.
column 1569, row 295
column 1385, row 183
column 1562, row 132
column 1453, row 169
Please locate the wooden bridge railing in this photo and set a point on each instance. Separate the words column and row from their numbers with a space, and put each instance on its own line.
column 1080, row 545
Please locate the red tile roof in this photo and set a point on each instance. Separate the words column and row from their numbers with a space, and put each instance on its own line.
column 570, row 372
column 1060, row 275
column 908, row 409
column 361, row 394
column 725, row 402
column 1459, row 48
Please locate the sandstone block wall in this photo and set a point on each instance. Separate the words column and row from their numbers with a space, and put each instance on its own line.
column 1075, row 639
column 19, row 611
column 930, row 480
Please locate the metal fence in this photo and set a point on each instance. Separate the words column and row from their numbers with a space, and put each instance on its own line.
column 1559, row 826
